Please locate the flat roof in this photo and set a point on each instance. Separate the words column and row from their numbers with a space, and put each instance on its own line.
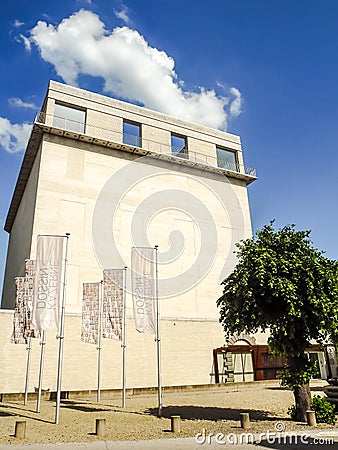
column 39, row 129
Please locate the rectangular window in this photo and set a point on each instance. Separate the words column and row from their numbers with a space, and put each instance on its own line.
column 69, row 118
column 227, row 159
column 179, row 146
column 132, row 134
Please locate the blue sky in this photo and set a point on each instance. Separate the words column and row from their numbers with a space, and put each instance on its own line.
column 266, row 70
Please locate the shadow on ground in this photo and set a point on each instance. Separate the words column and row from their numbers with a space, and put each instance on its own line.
column 312, row 389
column 84, row 407
column 191, row 412
column 6, row 414
column 21, row 412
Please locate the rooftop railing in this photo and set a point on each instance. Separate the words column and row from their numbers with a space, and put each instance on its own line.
column 98, row 134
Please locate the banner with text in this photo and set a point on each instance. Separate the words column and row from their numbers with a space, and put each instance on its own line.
column 48, row 282
column 22, row 320
column 112, row 307
column 143, row 289
column 90, row 313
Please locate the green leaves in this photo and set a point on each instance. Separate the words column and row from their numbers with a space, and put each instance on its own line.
column 283, row 283
column 325, row 412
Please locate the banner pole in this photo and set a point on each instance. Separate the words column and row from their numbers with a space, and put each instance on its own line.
column 158, row 337
column 27, row 368
column 61, row 337
column 124, row 340
column 99, row 343
column 42, row 358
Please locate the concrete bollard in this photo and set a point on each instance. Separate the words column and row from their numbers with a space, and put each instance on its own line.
column 100, row 429
column 311, row 418
column 20, row 429
column 176, row 424
column 245, row 421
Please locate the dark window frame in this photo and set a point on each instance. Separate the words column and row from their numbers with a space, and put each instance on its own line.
column 181, row 152
column 225, row 163
column 131, row 139
column 67, row 123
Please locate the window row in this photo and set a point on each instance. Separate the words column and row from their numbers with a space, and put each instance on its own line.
column 226, row 159
column 74, row 119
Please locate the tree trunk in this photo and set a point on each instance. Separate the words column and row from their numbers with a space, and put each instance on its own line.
column 303, row 401
column 298, row 365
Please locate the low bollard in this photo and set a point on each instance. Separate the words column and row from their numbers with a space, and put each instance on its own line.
column 100, row 428
column 176, row 424
column 20, row 430
column 311, row 418
column 245, row 421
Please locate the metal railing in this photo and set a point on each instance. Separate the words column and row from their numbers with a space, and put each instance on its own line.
column 132, row 140
column 113, row 135
column 228, row 165
column 180, row 152
column 69, row 124
column 63, row 123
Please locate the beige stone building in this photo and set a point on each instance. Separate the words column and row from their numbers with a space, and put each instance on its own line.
column 115, row 175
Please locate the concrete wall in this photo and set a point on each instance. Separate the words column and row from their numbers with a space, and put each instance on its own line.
column 19, row 244
column 71, row 178
column 186, row 357
column 61, row 196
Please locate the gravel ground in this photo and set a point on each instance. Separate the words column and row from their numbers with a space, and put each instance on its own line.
column 217, row 410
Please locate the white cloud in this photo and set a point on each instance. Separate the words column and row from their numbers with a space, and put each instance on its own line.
column 18, row 23
column 26, row 42
column 17, row 102
column 130, row 67
column 122, row 14
column 13, row 137
column 236, row 104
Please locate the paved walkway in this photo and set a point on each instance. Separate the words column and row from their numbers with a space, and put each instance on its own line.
column 324, row 439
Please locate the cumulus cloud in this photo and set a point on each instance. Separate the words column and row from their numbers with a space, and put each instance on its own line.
column 18, row 23
column 130, row 67
column 13, row 137
column 26, row 43
column 236, row 104
column 122, row 13
column 17, row 102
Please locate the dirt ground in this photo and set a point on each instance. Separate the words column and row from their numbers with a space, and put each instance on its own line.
column 217, row 410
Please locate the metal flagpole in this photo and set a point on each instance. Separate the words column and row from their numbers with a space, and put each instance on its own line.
column 61, row 337
column 124, row 340
column 158, row 338
column 27, row 368
column 99, row 343
column 42, row 358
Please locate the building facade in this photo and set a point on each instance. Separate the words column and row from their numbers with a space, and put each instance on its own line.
column 115, row 175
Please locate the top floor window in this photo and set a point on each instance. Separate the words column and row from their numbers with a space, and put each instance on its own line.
column 227, row 159
column 179, row 146
column 132, row 134
column 69, row 118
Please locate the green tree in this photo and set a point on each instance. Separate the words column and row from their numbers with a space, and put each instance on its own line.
column 282, row 284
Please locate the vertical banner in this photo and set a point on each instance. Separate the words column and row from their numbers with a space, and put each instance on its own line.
column 112, row 308
column 48, row 283
column 90, row 313
column 143, row 289
column 19, row 320
column 30, row 267
column 22, row 321
column 29, row 298
column 22, row 330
